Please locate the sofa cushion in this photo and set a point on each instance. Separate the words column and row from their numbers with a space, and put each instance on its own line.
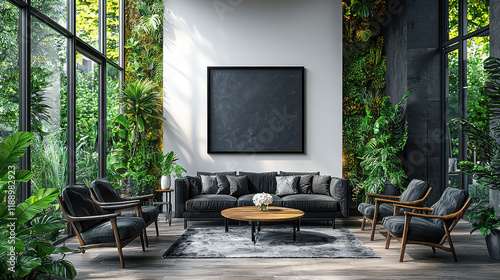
column 208, row 184
column 238, row 185
column 247, row 200
column 420, row 229
column 385, row 209
column 79, row 203
column 199, row 173
column 305, row 184
column 321, row 184
column 194, row 185
column 222, row 184
column 311, row 202
column 287, row 185
column 103, row 232
column 287, row 173
column 416, row 190
column 261, row 182
column 211, row 202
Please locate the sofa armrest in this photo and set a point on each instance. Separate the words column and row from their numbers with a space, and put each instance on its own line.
column 339, row 190
column 181, row 195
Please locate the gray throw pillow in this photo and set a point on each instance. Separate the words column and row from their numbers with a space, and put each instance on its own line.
column 238, row 185
column 305, row 185
column 321, row 184
column 208, row 184
column 287, row 185
column 222, row 184
column 194, row 186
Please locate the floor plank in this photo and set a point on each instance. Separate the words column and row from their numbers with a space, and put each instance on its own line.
column 420, row 262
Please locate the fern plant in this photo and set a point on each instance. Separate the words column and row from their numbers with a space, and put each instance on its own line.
column 381, row 160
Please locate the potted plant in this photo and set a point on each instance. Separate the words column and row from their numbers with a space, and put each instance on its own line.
column 487, row 222
column 168, row 166
column 27, row 233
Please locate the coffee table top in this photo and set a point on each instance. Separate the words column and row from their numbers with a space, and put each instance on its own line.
column 253, row 214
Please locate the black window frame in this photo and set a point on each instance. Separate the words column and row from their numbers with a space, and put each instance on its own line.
column 75, row 44
column 447, row 46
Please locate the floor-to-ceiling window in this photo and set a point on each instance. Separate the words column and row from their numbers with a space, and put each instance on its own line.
column 59, row 60
column 465, row 46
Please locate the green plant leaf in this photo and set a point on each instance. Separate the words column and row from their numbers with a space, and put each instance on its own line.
column 43, row 248
column 25, row 265
column 34, row 204
column 12, row 149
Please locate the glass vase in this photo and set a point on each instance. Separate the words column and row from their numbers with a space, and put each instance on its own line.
column 263, row 207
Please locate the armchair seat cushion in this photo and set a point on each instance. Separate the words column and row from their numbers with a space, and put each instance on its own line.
column 311, row 202
column 150, row 213
column 103, row 232
column 211, row 202
column 247, row 200
column 420, row 229
column 385, row 210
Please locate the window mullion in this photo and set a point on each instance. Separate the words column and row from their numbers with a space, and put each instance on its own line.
column 24, row 91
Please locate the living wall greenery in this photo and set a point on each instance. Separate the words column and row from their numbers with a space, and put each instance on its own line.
column 363, row 82
column 137, row 132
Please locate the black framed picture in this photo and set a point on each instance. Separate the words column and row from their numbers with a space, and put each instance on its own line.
column 255, row 109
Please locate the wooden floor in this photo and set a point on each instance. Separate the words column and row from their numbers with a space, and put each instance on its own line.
column 420, row 262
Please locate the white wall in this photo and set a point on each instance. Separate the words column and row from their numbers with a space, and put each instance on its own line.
column 201, row 33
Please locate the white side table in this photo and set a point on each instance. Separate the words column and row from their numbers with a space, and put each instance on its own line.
column 167, row 201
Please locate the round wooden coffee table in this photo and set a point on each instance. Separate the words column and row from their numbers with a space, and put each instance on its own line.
column 254, row 215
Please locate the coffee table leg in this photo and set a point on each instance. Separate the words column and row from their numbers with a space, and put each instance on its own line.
column 253, row 232
column 226, row 224
column 294, row 230
column 298, row 225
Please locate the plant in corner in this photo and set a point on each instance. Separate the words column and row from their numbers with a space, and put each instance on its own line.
column 486, row 170
column 487, row 222
column 381, row 160
column 26, row 235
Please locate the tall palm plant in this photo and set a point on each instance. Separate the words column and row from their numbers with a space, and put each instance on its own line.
column 141, row 103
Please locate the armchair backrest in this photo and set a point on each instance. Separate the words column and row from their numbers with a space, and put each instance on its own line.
column 416, row 190
column 104, row 191
column 452, row 200
column 79, row 203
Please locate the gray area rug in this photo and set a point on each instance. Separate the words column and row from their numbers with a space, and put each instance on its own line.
column 273, row 242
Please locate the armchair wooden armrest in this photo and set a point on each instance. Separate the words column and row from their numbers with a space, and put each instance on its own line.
column 374, row 195
column 88, row 218
column 447, row 217
column 120, row 206
column 147, row 197
column 398, row 205
column 117, row 202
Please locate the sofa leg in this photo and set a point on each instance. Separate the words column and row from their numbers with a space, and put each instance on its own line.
column 185, row 224
column 333, row 223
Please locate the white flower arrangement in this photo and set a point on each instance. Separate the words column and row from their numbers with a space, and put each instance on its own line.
column 262, row 199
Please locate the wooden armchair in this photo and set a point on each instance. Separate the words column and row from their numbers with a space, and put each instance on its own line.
column 430, row 229
column 416, row 194
column 104, row 194
column 95, row 228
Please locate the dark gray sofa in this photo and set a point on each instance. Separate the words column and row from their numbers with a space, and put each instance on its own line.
column 192, row 206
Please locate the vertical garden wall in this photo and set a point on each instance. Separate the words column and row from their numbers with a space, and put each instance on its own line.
column 363, row 81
